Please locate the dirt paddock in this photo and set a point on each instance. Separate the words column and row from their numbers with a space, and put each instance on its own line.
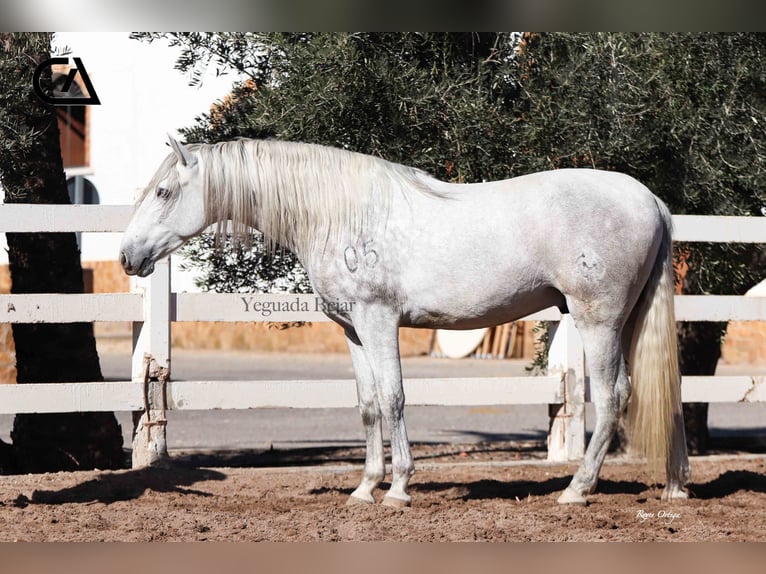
column 457, row 496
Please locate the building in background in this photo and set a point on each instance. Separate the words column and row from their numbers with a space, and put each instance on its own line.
column 111, row 150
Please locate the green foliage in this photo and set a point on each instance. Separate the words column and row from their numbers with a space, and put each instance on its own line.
column 541, row 334
column 440, row 102
column 20, row 142
column 683, row 113
column 241, row 52
column 231, row 269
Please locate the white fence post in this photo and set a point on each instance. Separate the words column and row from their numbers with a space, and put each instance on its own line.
column 151, row 366
column 566, row 436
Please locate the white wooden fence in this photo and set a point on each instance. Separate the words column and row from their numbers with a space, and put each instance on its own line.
column 151, row 307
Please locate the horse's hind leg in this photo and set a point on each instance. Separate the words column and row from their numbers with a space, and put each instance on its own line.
column 678, row 474
column 374, row 463
column 610, row 390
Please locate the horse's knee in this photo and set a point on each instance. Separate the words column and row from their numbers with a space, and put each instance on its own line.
column 370, row 412
column 393, row 406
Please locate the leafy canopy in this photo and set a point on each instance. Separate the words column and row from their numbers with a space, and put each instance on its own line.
column 435, row 101
column 683, row 113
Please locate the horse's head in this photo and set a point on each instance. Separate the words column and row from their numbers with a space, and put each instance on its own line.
column 171, row 211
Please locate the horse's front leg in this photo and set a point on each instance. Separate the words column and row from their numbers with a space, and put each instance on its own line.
column 378, row 331
column 374, row 463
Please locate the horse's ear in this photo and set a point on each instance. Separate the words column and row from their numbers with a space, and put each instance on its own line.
column 185, row 157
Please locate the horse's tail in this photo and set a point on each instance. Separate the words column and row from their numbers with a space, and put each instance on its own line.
column 655, row 404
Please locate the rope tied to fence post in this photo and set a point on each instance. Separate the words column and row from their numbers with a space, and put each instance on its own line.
column 153, row 372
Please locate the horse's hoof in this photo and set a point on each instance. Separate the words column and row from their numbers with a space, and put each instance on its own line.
column 356, row 500
column 571, row 497
column 671, row 493
column 395, row 502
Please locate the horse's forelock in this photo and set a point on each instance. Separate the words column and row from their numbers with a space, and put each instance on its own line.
column 165, row 172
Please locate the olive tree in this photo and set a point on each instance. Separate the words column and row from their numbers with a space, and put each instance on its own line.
column 440, row 102
column 683, row 113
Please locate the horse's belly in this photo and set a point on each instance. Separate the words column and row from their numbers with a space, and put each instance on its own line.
column 464, row 310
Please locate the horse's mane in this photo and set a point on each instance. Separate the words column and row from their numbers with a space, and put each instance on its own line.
column 300, row 193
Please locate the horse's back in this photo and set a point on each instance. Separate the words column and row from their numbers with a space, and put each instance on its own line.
column 512, row 247
column 542, row 217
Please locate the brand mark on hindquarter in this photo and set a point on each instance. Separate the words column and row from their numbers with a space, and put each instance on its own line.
column 590, row 265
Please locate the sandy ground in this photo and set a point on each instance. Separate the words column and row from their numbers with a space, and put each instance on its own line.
column 479, row 491
column 457, row 496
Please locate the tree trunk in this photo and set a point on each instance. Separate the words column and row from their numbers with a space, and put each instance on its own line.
column 32, row 172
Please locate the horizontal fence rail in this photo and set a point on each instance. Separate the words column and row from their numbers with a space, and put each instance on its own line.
column 152, row 307
column 29, row 218
column 720, row 308
column 71, row 307
column 197, row 395
column 719, row 229
column 233, row 395
column 285, row 308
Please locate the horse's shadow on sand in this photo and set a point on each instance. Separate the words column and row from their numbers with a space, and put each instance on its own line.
column 728, row 483
column 487, row 489
column 519, row 489
column 123, row 486
column 180, row 477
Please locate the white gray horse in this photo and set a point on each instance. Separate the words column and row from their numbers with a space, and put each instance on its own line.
column 405, row 249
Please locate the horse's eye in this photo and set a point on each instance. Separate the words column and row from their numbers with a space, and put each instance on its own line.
column 163, row 192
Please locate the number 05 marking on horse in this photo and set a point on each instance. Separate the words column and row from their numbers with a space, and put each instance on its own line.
column 369, row 257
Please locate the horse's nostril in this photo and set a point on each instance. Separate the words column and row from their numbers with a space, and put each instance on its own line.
column 123, row 259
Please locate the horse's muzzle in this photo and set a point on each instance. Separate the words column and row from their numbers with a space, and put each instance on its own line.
column 144, row 268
